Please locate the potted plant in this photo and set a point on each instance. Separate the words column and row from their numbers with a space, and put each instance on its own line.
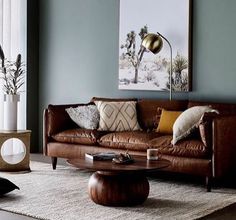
column 12, row 75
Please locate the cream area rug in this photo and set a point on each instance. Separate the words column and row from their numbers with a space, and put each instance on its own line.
column 62, row 194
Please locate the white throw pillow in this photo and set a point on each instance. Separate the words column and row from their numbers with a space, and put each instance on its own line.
column 85, row 116
column 188, row 121
column 117, row 116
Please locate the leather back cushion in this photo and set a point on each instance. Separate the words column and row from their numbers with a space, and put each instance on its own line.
column 147, row 110
column 223, row 108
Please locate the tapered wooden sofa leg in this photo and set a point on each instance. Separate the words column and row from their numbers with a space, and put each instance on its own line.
column 208, row 183
column 54, row 162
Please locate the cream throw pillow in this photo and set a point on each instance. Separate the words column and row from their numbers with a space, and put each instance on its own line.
column 188, row 121
column 117, row 116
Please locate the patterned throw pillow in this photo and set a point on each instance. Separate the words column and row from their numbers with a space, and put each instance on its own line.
column 85, row 116
column 117, row 116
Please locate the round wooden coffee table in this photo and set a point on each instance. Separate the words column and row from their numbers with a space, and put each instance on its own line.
column 118, row 184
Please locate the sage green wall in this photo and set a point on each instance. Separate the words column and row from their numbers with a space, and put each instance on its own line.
column 214, row 50
column 78, row 52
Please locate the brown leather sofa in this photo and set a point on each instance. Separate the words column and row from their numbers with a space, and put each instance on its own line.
column 211, row 152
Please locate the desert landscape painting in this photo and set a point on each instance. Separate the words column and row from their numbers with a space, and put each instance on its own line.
column 147, row 71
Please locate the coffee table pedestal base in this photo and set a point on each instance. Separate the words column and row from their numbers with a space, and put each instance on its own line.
column 118, row 189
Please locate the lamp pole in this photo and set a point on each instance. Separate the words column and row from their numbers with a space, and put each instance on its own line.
column 171, row 70
column 153, row 42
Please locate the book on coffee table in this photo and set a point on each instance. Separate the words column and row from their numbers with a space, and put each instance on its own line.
column 100, row 156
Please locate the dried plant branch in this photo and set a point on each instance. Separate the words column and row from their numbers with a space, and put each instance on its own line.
column 12, row 74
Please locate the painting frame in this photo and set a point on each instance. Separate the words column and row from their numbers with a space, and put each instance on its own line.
column 156, row 68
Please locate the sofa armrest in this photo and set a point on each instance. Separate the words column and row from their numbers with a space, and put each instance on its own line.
column 205, row 128
column 224, row 145
column 55, row 119
column 58, row 120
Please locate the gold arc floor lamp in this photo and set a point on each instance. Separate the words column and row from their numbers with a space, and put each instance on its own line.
column 153, row 42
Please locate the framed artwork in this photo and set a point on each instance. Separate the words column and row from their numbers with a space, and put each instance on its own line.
column 171, row 18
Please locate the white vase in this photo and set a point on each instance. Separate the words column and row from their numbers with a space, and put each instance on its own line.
column 10, row 111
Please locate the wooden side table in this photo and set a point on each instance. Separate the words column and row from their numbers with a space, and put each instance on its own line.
column 19, row 161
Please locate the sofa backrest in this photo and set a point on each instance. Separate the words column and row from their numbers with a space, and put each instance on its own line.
column 113, row 99
column 147, row 110
column 223, row 108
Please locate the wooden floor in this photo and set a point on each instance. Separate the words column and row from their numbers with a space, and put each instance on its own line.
column 228, row 213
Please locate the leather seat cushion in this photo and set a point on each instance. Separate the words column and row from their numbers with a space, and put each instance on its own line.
column 193, row 148
column 129, row 140
column 78, row 136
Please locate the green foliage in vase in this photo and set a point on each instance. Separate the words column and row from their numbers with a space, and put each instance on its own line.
column 12, row 73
